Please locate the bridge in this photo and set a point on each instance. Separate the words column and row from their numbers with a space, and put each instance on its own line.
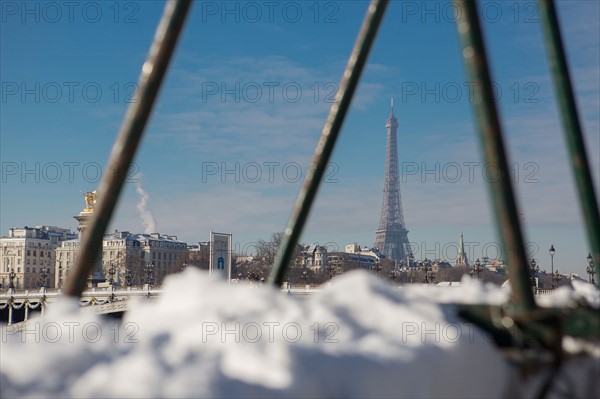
column 16, row 305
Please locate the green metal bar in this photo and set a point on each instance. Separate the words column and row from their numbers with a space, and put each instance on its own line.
column 330, row 132
column 129, row 138
column 572, row 128
column 490, row 133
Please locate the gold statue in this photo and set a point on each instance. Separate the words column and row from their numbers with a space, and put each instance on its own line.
column 90, row 201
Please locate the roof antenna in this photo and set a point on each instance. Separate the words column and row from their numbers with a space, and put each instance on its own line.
column 392, row 103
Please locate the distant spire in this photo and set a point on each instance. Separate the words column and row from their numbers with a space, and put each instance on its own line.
column 392, row 119
column 461, row 256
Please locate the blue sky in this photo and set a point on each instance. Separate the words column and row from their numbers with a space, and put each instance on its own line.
column 248, row 91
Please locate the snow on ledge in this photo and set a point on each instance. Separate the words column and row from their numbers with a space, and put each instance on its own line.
column 357, row 338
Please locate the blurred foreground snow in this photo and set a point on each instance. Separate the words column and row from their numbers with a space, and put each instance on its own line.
column 204, row 338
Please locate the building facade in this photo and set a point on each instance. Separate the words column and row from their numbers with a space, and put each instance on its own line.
column 164, row 253
column 314, row 257
column 129, row 258
column 28, row 256
column 344, row 261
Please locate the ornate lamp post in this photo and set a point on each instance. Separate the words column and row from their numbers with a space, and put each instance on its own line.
column 149, row 269
column 184, row 266
column 556, row 277
column 11, row 278
column 44, row 272
column 477, row 268
column 60, row 272
column 305, row 276
column 590, row 269
column 551, row 251
column 128, row 277
column 533, row 269
column 111, row 274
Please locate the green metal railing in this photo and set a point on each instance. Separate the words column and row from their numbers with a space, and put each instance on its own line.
column 329, row 135
column 572, row 128
column 153, row 72
column 544, row 326
column 490, row 133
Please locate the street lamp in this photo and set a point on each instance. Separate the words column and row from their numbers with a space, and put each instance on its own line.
column 128, row 277
column 590, row 269
column 44, row 272
column 533, row 269
column 556, row 277
column 552, row 251
column 305, row 276
column 184, row 265
column 111, row 274
column 477, row 268
column 60, row 271
column 11, row 278
column 149, row 270
column 429, row 275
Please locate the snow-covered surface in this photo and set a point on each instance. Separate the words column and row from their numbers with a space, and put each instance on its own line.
column 581, row 292
column 358, row 338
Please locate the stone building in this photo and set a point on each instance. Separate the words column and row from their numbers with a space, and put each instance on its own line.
column 28, row 254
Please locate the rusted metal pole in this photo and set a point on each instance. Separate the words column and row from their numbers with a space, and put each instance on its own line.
column 127, row 142
column 330, row 132
column 573, row 133
column 491, row 138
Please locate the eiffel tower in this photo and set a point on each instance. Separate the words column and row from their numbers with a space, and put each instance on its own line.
column 391, row 239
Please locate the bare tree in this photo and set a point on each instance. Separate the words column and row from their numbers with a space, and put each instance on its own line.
column 199, row 259
column 267, row 250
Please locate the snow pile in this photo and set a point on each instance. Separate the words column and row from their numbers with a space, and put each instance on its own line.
column 581, row 292
column 204, row 338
